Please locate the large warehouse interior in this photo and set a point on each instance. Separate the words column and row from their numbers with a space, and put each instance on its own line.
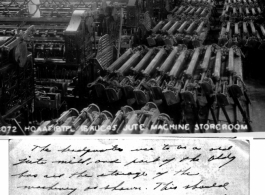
column 93, row 67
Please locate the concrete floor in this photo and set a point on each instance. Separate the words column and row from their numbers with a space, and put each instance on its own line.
column 256, row 91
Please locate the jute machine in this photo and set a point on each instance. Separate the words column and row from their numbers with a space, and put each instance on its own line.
column 243, row 24
column 188, row 23
column 204, row 81
column 60, row 46
column 16, row 78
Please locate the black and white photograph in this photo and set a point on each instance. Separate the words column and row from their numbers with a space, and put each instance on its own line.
column 91, row 67
column 117, row 97
column 97, row 67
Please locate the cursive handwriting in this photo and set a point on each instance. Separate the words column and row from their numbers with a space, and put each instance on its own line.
column 117, row 173
column 214, row 185
column 120, row 188
column 158, row 174
column 80, row 161
column 23, row 174
column 39, row 161
column 194, row 159
column 120, row 166
column 142, row 161
column 221, row 157
column 186, row 172
column 166, row 161
column 167, row 147
column 108, row 161
column 166, row 186
column 142, row 149
column 54, row 176
column 86, row 150
column 43, row 148
column 221, row 149
column 53, row 187
column 81, row 174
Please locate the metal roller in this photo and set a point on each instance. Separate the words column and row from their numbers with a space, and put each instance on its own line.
column 236, row 29
column 58, row 122
column 167, row 26
column 204, row 12
column 217, row 67
column 105, row 124
column 181, row 8
column 262, row 30
column 84, row 128
column 133, row 60
column 259, row 10
column 199, row 29
column 192, row 64
column 175, row 9
column 144, row 62
column 174, row 27
column 191, row 27
column 155, row 62
column 253, row 29
column 228, row 27
column 245, row 28
column 168, row 62
column 85, row 113
column 198, row 11
column 182, row 27
column 192, row 10
column 240, row 11
column 119, row 121
column 234, row 11
column 175, row 71
column 253, row 11
column 230, row 67
column 158, row 26
column 188, row 9
column 120, row 61
column 238, row 71
column 247, row 11
column 206, row 59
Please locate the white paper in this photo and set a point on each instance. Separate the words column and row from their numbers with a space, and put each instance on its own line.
column 129, row 166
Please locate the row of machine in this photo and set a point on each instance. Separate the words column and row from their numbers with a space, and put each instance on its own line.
column 147, row 57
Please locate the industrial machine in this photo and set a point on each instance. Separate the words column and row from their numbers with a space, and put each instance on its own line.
column 188, row 23
column 153, row 61
column 16, row 78
column 203, row 81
